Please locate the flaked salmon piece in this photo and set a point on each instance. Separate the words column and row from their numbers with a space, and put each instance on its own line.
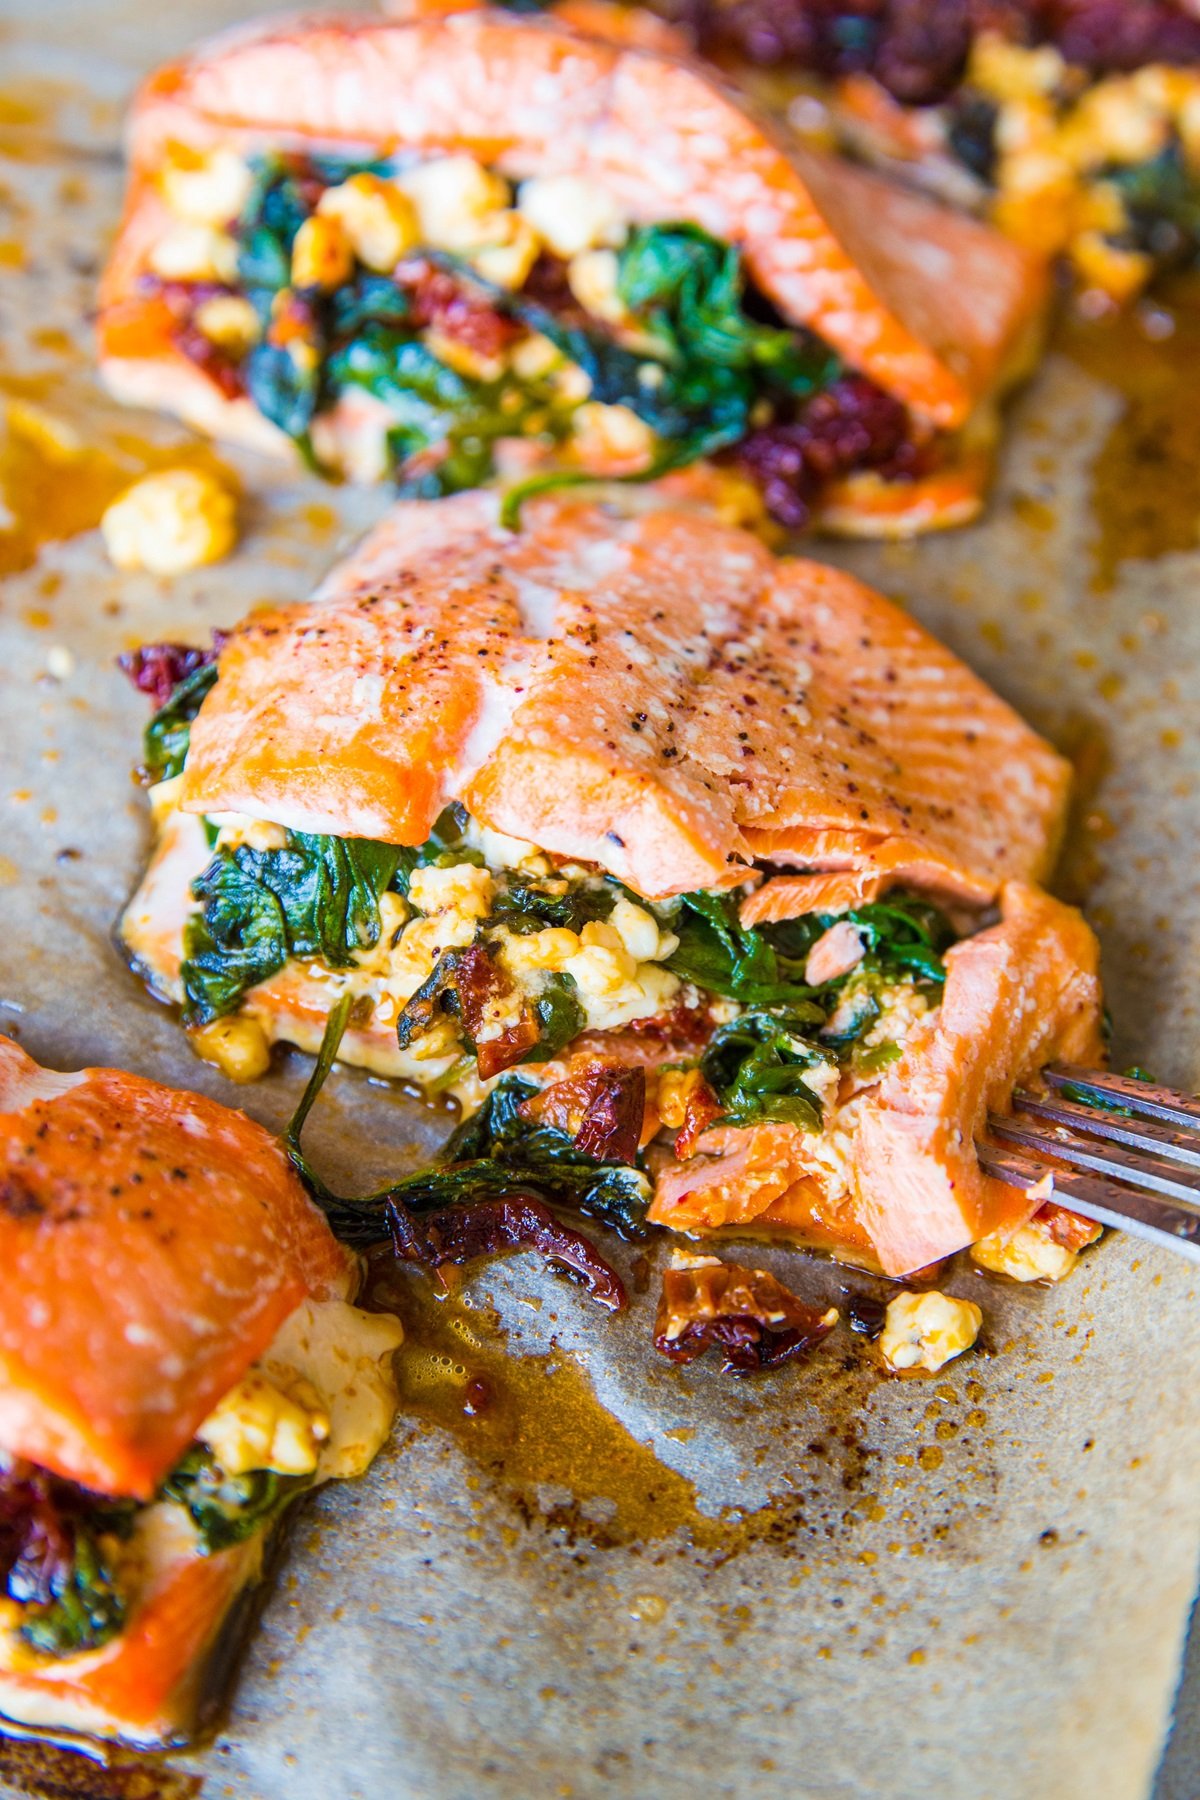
column 793, row 896
column 929, row 304
column 153, row 1242
column 896, row 1164
column 644, row 689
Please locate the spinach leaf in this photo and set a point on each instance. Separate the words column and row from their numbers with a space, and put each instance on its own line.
column 494, row 1152
column 689, row 289
column 560, row 1017
column 525, row 906
column 904, row 935
column 756, row 1065
column 166, row 737
column 88, row 1610
column 724, row 957
column 1162, row 205
column 227, row 1509
column 317, row 896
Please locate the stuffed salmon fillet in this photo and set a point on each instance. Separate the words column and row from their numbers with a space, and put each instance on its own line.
column 469, row 243
column 180, row 1358
column 619, row 818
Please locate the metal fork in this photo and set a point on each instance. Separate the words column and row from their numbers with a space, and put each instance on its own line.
column 1114, row 1148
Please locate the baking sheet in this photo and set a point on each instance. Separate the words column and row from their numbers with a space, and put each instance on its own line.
column 625, row 1578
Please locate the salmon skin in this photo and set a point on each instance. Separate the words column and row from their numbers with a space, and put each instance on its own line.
column 936, row 310
column 642, row 689
column 153, row 1243
column 169, row 1288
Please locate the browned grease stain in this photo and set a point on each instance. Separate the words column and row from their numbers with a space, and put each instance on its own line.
column 534, row 1426
column 1146, row 478
column 57, row 475
column 48, row 1773
column 1080, row 865
column 28, row 119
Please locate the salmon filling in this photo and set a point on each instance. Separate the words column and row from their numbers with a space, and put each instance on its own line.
column 433, row 323
column 726, row 1073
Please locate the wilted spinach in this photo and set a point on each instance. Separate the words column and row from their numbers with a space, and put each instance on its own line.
column 88, row 1608
column 904, row 935
column 166, row 738
column 524, row 905
column 721, row 955
column 756, row 1065
column 227, row 1509
column 316, row 896
column 493, row 1153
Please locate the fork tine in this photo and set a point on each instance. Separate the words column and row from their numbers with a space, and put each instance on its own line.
column 1140, row 1097
column 1108, row 1202
column 1164, row 1140
column 1112, row 1160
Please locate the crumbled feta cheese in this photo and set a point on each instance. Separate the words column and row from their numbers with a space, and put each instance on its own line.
column 593, row 279
column 1031, row 1253
column 170, row 522
column 571, row 214
column 234, row 828
column 188, row 252
column 258, row 1426
column 509, row 252
column 206, row 189
column 638, row 930
column 463, row 888
column 322, row 255
column 456, row 200
column 378, row 218
column 606, row 435
column 237, row 1046
column 928, row 1330
column 230, row 321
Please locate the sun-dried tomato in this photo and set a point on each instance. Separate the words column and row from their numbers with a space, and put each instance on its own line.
column 1068, row 1229
column 157, row 669
column 463, row 1234
column 37, row 1538
column 469, row 984
column 852, row 425
column 747, row 1314
column 700, row 1109
column 455, row 309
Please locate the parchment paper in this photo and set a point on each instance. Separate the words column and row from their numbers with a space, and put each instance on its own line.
column 975, row 1585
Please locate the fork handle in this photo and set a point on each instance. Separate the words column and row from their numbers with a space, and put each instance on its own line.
column 1168, row 1223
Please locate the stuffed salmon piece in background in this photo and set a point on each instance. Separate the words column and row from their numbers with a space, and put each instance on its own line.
column 469, row 243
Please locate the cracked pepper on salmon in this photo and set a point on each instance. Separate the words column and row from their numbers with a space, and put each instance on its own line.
column 179, row 1359
column 620, row 828
column 463, row 246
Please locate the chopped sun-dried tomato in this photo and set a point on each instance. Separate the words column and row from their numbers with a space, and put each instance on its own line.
column 469, row 983
column 462, row 1234
column 751, row 1317
column 700, row 1109
column 157, row 669
column 455, row 309
column 1068, row 1229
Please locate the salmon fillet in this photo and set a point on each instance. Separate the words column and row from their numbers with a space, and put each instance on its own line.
column 153, row 1242
column 895, row 1172
column 932, row 306
column 647, row 690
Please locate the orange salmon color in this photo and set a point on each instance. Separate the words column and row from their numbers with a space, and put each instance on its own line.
column 632, row 685
column 152, row 1243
